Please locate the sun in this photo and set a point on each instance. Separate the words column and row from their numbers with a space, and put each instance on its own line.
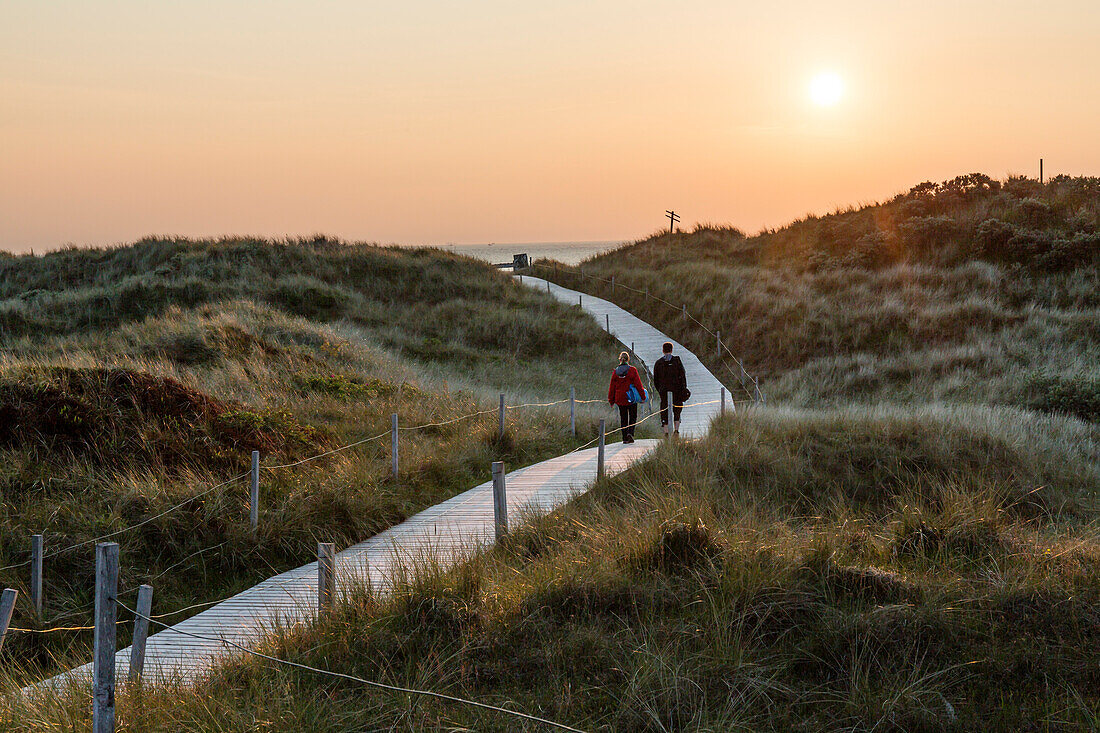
column 826, row 89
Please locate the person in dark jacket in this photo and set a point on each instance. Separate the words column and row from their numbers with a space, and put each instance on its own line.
column 622, row 379
column 669, row 376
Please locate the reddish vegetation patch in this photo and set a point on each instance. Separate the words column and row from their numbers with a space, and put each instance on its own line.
column 120, row 418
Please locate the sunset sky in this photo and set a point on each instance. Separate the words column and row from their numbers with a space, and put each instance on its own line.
column 433, row 122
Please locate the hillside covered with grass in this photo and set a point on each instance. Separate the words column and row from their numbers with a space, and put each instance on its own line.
column 917, row 578
column 134, row 378
column 970, row 290
column 904, row 539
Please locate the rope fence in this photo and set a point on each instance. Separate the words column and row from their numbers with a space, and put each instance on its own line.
column 370, row 683
column 37, row 561
column 308, row 459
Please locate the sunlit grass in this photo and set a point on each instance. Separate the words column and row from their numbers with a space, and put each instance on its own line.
column 703, row 590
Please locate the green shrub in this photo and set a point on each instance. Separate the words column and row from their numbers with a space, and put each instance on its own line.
column 1079, row 397
column 343, row 386
column 309, row 297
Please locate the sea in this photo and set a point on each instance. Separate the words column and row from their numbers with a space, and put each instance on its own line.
column 569, row 253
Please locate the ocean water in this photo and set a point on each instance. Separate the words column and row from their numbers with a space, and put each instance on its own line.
column 569, row 253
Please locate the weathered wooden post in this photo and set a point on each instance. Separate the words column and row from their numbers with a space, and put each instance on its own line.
column 718, row 344
column 548, row 286
column 580, row 300
column 37, row 546
column 500, row 500
column 612, row 283
column 394, row 450
column 7, row 607
column 103, row 640
column 607, row 321
column 600, row 452
column 502, row 415
column 722, row 410
column 254, row 495
column 144, row 610
column 326, row 576
column 573, row 411
column 669, row 415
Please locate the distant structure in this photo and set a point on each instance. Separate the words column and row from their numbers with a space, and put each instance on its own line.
column 519, row 262
column 673, row 219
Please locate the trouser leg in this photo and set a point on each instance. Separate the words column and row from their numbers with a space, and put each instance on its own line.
column 664, row 409
column 624, row 419
column 632, row 418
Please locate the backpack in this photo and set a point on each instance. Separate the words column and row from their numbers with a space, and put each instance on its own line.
column 633, row 397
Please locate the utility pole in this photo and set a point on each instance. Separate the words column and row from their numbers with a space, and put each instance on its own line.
column 673, row 218
column 1040, row 170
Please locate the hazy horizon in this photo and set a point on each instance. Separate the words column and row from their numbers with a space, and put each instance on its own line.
column 435, row 122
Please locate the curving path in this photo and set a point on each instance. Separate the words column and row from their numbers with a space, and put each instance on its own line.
column 705, row 388
column 446, row 532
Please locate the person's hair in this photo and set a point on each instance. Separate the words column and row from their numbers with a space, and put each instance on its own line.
column 667, row 348
column 623, row 357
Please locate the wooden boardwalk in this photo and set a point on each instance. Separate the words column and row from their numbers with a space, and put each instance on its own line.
column 445, row 532
column 705, row 388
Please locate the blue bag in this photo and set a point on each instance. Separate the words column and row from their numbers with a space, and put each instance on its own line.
column 633, row 397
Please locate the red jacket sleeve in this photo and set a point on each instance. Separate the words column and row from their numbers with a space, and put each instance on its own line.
column 611, row 389
column 636, row 380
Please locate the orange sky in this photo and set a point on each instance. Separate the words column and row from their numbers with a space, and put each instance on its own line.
column 432, row 122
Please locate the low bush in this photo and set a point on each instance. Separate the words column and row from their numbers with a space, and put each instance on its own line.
column 1079, row 397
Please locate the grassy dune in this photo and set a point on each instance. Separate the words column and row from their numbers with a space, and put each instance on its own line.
column 761, row 579
column 972, row 290
column 134, row 378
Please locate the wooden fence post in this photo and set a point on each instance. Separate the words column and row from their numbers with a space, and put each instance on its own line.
column 103, row 640
column 548, row 286
column 38, row 543
column 573, row 411
column 144, row 609
column 580, row 300
column 500, row 500
column 502, row 415
column 669, row 415
column 254, row 495
column 613, row 283
column 7, row 607
column 600, row 452
column 722, row 411
column 607, row 321
column 718, row 343
column 394, row 449
column 326, row 576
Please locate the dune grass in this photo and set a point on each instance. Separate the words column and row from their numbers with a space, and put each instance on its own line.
column 973, row 290
column 847, row 569
column 121, row 398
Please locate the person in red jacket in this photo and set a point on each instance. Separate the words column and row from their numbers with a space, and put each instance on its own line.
column 621, row 380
